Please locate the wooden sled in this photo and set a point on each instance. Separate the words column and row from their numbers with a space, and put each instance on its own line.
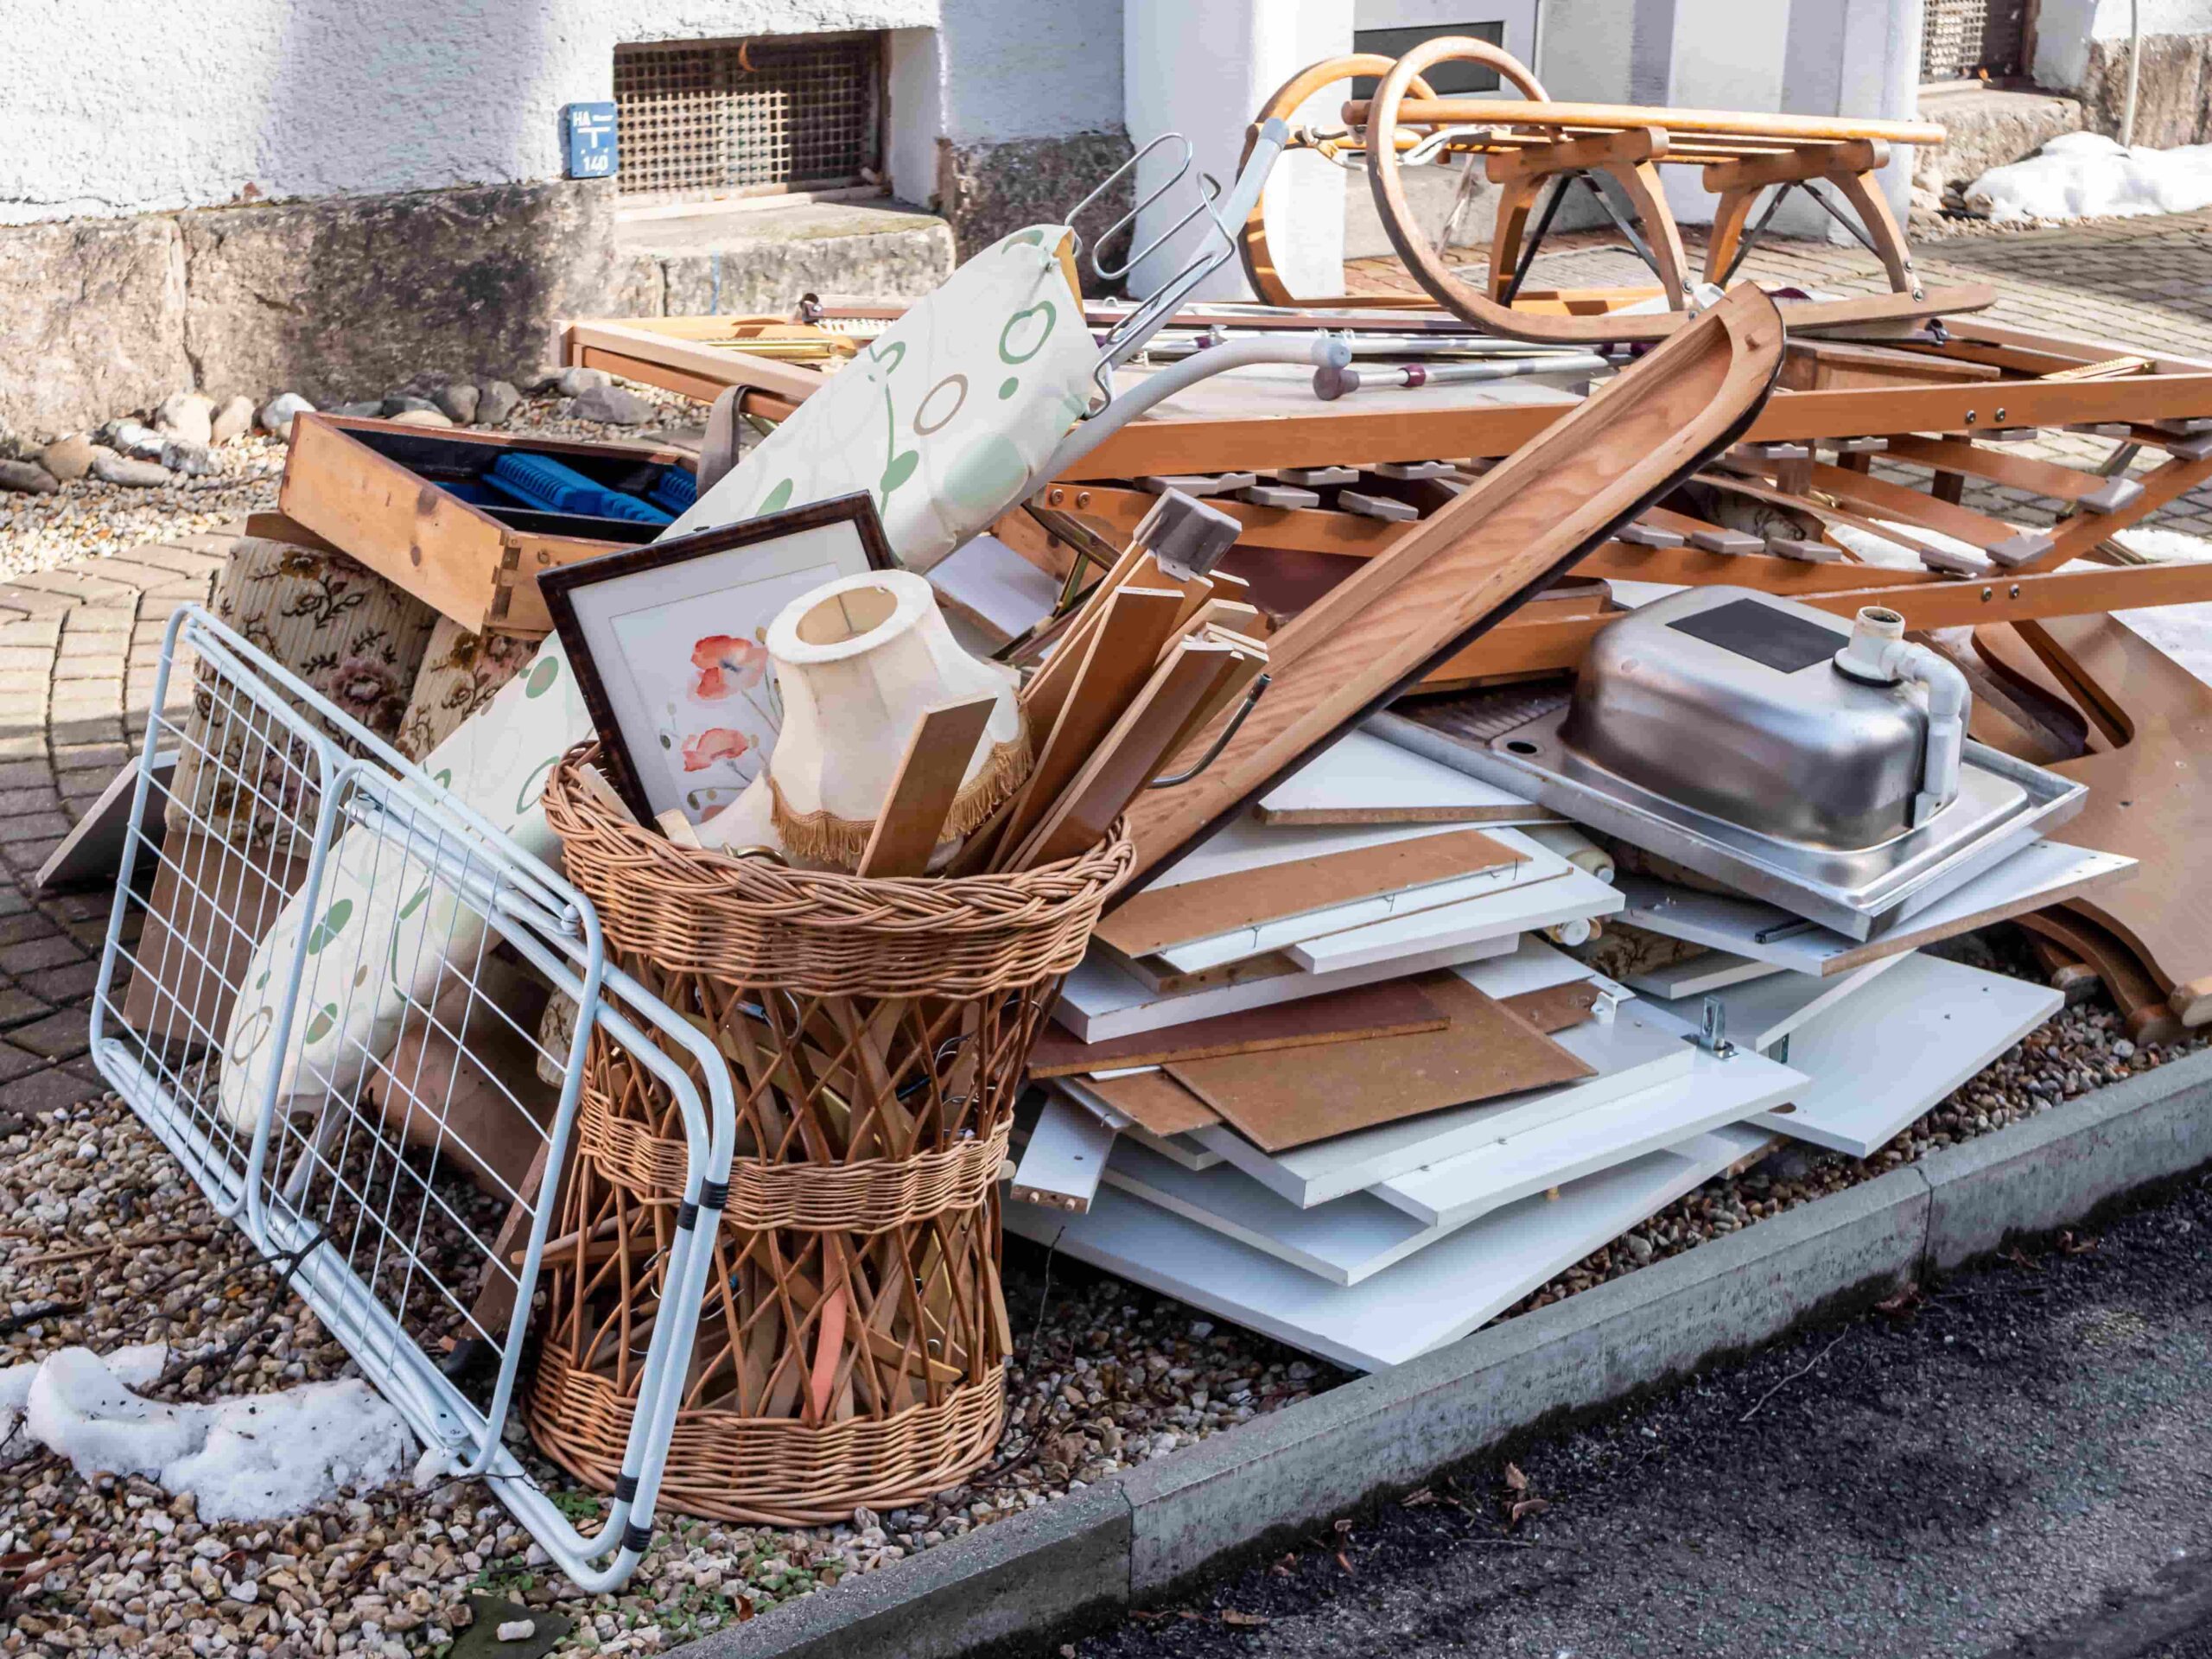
column 1477, row 559
column 1534, row 149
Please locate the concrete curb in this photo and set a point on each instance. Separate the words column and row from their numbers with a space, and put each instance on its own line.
column 1097, row 1552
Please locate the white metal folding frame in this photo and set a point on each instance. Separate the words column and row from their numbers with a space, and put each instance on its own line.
column 360, row 1182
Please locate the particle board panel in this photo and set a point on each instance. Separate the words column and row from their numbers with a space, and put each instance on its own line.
column 1531, row 865
column 1436, row 1296
column 1100, row 1002
column 2041, row 874
column 1391, row 1009
column 1556, row 1007
column 1884, row 1056
column 1290, row 1098
column 1242, row 900
column 1064, row 1158
column 1627, row 1054
column 93, row 848
column 1528, row 907
column 1361, row 779
column 1761, row 1012
column 1716, row 1092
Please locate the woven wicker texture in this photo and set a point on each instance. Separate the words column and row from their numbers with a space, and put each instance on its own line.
column 852, row 1344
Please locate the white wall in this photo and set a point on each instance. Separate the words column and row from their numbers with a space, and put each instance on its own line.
column 128, row 107
column 1203, row 68
column 996, row 71
column 2064, row 29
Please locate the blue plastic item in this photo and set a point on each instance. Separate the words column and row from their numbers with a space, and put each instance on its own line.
column 542, row 482
column 677, row 491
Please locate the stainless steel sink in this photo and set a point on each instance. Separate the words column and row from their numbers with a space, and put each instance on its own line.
column 1713, row 727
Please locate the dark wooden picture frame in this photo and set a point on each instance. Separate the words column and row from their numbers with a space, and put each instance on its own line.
column 567, row 586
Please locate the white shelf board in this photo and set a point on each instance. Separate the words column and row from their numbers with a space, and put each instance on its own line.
column 1763, row 1012
column 1436, row 1296
column 1360, row 772
column 1714, row 971
column 1573, row 896
column 1536, row 964
column 2040, row 874
column 1716, row 1092
column 1538, row 863
column 1887, row 1053
column 1100, row 1000
column 1629, row 1053
column 1065, row 1156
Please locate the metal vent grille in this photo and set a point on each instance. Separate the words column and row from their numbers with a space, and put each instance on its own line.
column 1961, row 39
column 747, row 117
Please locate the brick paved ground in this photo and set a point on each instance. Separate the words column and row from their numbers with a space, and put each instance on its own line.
column 79, row 647
column 2136, row 282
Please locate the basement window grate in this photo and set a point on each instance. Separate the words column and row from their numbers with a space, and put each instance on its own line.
column 755, row 116
column 1961, row 40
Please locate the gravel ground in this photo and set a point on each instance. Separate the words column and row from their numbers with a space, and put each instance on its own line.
column 107, row 1245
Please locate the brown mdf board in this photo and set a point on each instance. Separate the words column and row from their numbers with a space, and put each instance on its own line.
column 1160, row 917
column 1154, row 1101
column 1556, row 1007
column 379, row 489
column 1462, row 569
column 1394, row 1008
column 1285, row 1099
column 929, row 773
column 2150, row 798
column 1117, row 657
column 1133, row 753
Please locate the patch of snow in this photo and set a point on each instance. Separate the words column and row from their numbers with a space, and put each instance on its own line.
column 2087, row 175
column 135, row 1367
column 254, row 1457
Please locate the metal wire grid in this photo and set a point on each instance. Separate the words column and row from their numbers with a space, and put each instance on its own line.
column 717, row 117
column 407, row 1186
column 1960, row 38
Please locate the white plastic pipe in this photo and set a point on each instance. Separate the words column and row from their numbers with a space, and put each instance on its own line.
column 1879, row 653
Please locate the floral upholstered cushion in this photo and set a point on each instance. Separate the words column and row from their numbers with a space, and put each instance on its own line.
column 462, row 672
column 345, row 630
column 945, row 417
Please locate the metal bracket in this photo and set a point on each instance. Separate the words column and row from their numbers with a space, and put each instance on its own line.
column 1713, row 1037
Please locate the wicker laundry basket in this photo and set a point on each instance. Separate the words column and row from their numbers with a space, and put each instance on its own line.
column 852, row 1345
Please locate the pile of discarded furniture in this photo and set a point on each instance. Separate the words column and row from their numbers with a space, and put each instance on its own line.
column 1334, row 810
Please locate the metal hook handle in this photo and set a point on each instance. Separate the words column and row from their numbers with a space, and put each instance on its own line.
column 1213, row 750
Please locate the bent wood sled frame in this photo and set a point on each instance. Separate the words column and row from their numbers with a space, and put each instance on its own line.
column 1469, row 565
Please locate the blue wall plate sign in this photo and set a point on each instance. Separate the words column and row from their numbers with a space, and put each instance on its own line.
column 588, row 138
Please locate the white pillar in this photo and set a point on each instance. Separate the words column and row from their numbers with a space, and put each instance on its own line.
column 1203, row 68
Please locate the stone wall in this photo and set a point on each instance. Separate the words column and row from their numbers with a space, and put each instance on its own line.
column 2173, row 93
column 985, row 190
column 348, row 297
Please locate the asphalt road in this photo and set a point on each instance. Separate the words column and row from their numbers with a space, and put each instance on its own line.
column 2016, row 1464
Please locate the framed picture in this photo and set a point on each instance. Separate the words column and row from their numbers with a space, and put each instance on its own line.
column 668, row 645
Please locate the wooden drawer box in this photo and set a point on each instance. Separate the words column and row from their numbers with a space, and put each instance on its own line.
column 391, row 496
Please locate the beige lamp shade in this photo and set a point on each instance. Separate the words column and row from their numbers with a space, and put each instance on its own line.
column 857, row 661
